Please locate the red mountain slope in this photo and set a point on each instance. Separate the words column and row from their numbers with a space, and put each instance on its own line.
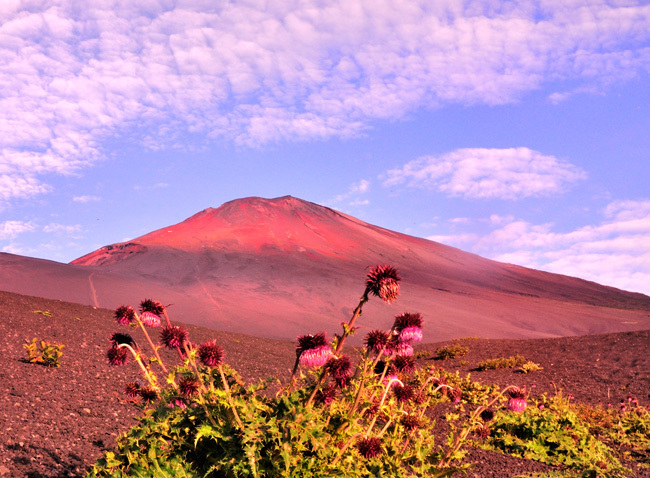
column 282, row 267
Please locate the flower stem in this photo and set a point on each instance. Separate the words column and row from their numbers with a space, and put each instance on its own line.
column 151, row 344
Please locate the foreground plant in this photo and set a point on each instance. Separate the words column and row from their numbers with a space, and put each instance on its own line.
column 334, row 417
column 44, row 353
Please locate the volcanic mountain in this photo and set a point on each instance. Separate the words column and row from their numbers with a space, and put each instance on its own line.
column 283, row 267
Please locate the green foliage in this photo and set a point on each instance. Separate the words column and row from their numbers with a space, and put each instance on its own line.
column 45, row 353
column 628, row 431
column 554, row 434
column 282, row 436
column 501, row 362
column 46, row 313
column 529, row 367
column 451, row 351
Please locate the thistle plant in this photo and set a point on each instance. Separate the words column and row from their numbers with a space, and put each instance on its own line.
column 335, row 416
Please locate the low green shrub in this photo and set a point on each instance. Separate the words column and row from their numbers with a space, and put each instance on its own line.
column 44, row 353
column 554, row 433
column 451, row 351
column 501, row 362
column 529, row 367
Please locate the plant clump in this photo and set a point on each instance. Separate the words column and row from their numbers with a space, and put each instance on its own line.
column 501, row 362
column 451, row 351
column 44, row 353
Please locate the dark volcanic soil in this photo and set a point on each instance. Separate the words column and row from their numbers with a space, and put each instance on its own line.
column 57, row 422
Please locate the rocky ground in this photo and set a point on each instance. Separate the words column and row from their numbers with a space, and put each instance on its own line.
column 55, row 422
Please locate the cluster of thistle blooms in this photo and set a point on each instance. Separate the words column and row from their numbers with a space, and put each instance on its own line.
column 173, row 337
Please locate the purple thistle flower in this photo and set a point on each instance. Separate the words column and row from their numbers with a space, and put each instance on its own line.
column 326, row 395
column 403, row 393
column 188, row 386
column 404, row 364
column 150, row 319
column 117, row 355
column 210, row 353
column 173, row 337
column 316, row 357
column 482, row 432
column 148, row 394
column 455, row 395
column 152, row 306
column 340, row 369
column 516, row 400
column 119, row 338
column 410, row 334
column 124, row 315
column 369, row 447
column 383, row 282
column 308, row 342
column 377, row 340
column 407, row 320
column 487, row 415
column 404, row 349
column 410, row 422
column 132, row 390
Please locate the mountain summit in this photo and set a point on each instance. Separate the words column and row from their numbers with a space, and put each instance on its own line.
column 282, row 267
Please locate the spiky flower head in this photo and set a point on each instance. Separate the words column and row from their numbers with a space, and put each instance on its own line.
column 132, row 390
column 407, row 320
column 405, row 364
column 173, row 337
column 383, row 282
column 404, row 349
column 316, row 357
column 340, row 368
column 487, row 415
column 403, row 393
column 153, row 306
column 150, row 319
column 124, row 315
column 455, row 395
column 188, row 386
column 210, row 353
column 310, row 341
column 326, row 395
column 410, row 422
column 149, row 394
column 410, row 334
column 377, row 340
column 117, row 355
column 516, row 399
column 119, row 338
column 369, row 447
column 482, row 431
column 313, row 350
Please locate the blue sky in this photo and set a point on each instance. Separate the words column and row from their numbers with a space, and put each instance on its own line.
column 515, row 130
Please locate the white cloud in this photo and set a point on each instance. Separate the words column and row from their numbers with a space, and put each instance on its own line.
column 615, row 252
column 353, row 195
column 63, row 229
column 71, row 77
column 84, row 199
column 12, row 229
column 488, row 173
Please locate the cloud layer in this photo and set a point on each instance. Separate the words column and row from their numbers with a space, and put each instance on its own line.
column 614, row 252
column 153, row 72
column 488, row 173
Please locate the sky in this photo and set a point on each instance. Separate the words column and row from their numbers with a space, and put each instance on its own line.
column 518, row 131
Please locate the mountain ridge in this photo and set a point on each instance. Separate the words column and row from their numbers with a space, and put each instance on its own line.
column 285, row 266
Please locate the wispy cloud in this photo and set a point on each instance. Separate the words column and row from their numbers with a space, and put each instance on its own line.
column 12, row 229
column 488, row 173
column 64, row 229
column 85, row 199
column 73, row 77
column 616, row 251
column 353, row 196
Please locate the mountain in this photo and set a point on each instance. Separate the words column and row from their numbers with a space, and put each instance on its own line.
column 282, row 267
